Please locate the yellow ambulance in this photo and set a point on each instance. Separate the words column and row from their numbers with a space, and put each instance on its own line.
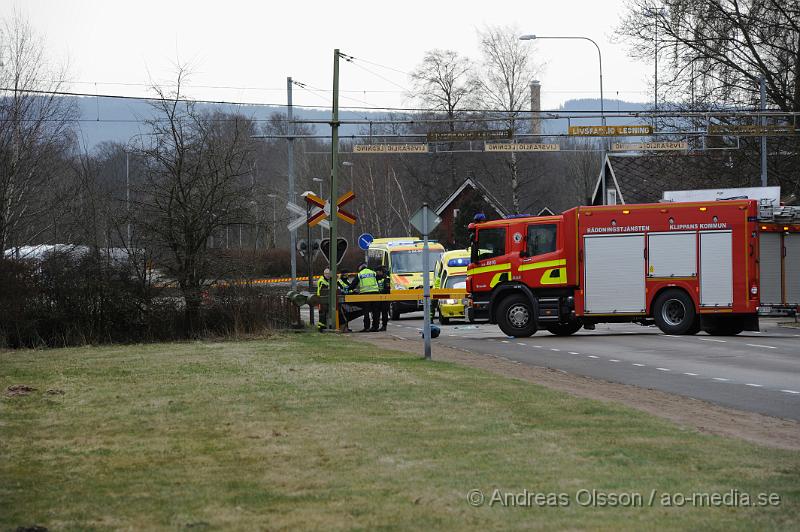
column 402, row 257
column 451, row 272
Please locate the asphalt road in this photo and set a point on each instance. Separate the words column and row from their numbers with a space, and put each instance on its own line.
column 757, row 372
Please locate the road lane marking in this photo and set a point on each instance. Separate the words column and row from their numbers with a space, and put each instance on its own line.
column 573, row 353
column 538, row 346
column 713, row 340
column 592, row 356
column 640, row 365
column 663, row 369
column 691, row 374
column 520, row 343
column 753, row 385
column 790, row 391
column 720, row 379
column 613, row 360
column 554, row 349
column 764, row 346
column 504, row 341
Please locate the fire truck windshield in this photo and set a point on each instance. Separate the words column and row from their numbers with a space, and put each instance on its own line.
column 411, row 261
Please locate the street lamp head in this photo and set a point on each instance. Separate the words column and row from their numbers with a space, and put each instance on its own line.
column 317, row 179
column 347, row 163
column 528, row 37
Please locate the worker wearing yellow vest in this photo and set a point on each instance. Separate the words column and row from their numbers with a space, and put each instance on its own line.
column 367, row 283
column 323, row 288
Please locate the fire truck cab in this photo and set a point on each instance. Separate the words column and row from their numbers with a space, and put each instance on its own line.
column 685, row 266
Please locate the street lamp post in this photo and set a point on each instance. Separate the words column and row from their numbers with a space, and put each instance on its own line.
column 599, row 57
column 531, row 37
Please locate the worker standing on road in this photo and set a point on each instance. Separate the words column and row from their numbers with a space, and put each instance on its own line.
column 366, row 282
column 345, row 309
column 323, row 288
column 385, row 286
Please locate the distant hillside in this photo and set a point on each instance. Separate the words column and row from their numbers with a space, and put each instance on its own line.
column 109, row 119
column 592, row 106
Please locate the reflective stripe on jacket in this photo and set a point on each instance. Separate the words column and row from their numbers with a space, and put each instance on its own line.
column 322, row 284
column 367, row 282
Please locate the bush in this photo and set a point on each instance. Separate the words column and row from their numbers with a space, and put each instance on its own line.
column 65, row 300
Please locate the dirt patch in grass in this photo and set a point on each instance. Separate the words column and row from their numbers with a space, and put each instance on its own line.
column 19, row 389
column 686, row 411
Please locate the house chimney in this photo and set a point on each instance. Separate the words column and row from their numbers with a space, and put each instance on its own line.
column 536, row 108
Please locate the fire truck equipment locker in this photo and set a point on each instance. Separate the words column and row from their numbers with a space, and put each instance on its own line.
column 672, row 254
column 614, row 273
column 791, row 241
column 770, row 251
column 716, row 269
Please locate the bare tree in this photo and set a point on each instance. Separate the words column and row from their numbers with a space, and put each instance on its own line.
column 506, row 75
column 445, row 84
column 194, row 187
column 716, row 50
column 34, row 132
column 713, row 53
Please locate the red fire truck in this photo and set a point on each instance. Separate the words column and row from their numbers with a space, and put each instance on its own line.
column 685, row 266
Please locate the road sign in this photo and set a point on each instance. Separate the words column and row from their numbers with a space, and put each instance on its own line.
column 325, row 247
column 487, row 134
column 514, row 146
column 301, row 220
column 650, row 146
column 390, row 148
column 321, row 209
column 365, row 240
column 425, row 220
column 751, row 130
column 613, row 131
column 344, row 199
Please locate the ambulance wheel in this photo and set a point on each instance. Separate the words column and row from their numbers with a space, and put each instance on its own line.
column 515, row 316
column 564, row 329
column 395, row 312
column 443, row 320
column 674, row 313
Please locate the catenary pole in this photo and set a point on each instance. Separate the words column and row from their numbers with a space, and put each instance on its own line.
column 763, row 89
column 334, row 243
column 290, row 171
column 426, row 284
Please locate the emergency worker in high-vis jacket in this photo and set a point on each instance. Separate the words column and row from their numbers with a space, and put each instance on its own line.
column 323, row 289
column 366, row 282
column 384, row 283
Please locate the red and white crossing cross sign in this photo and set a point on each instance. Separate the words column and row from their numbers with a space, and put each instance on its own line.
column 344, row 199
column 322, row 208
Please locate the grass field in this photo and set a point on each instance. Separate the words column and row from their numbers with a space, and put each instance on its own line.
column 317, row 431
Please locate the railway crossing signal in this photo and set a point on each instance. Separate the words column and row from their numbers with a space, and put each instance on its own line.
column 322, row 208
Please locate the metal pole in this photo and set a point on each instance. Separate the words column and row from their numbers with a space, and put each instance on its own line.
column 763, row 88
column 655, row 74
column 426, row 285
column 309, row 258
column 333, row 309
column 352, row 226
column 275, row 223
column 290, row 170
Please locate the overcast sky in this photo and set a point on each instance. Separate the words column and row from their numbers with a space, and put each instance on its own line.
column 254, row 46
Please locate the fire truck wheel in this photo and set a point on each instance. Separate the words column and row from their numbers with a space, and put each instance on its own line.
column 565, row 329
column 395, row 311
column 515, row 316
column 674, row 312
